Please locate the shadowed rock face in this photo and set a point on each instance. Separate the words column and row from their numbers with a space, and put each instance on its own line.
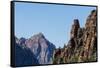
column 24, row 56
column 22, row 41
column 37, row 48
column 82, row 47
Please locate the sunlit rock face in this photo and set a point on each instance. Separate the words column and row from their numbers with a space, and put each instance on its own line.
column 41, row 47
column 82, row 46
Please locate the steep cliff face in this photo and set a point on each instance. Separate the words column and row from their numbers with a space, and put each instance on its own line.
column 41, row 47
column 82, row 46
column 38, row 46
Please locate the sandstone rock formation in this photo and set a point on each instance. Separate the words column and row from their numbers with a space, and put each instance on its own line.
column 82, row 46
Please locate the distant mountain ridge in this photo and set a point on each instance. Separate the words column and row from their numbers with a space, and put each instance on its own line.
column 40, row 47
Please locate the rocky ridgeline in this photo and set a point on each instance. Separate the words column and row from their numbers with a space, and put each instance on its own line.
column 33, row 51
column 41, row 47
column 82, row 46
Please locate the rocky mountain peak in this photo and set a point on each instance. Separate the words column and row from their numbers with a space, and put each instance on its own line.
column 91, row 20
column 40, row 35
column 74, row 29
column 37, row 36
column 39, row 46
column 82, row 46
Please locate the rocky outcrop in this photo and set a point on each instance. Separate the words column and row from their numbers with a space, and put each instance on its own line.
column 90, row 37
column 74, row 29
column 82, row 46
column 41, row 47
column 37, row 47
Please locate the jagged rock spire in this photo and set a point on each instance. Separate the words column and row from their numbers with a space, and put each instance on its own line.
column 82, row 46
column 74, row 29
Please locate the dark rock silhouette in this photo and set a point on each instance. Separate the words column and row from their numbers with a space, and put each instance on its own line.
column 24, row 56
column 22, row 41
